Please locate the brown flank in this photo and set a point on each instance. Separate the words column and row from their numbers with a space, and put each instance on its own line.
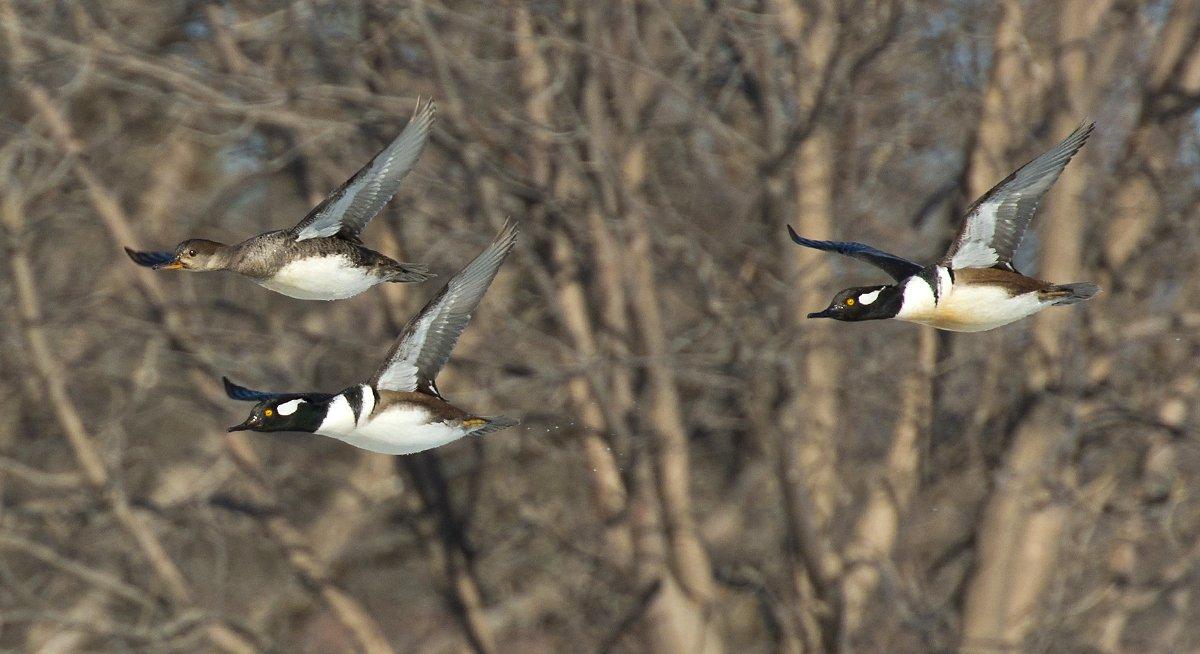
column 1013, row 282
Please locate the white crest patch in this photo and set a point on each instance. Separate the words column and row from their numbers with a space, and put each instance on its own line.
column 288, row 408
column 867, row 298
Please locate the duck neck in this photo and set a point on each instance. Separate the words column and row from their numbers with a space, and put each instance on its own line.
column 222, row 259
column 346, row 410
column 891, row 300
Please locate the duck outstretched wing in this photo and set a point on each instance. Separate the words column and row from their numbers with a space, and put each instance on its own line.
column 898, row 267
column 427, row 340
column 348, row 209
column 244, row 394
column 996, row 223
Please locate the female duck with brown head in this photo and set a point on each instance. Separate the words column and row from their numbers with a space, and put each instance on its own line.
column 322, row 257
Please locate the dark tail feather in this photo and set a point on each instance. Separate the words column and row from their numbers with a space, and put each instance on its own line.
column 1064, row 294
column 495, row 423
column 410, row 272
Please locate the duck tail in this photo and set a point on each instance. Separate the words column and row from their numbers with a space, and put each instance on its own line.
column 409, row 272
column 1064, row 294
column 492, row 423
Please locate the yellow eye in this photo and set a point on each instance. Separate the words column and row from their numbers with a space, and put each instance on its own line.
column 849, row 301
column 268, row 413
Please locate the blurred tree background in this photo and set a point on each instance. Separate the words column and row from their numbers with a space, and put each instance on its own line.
column 699, row 468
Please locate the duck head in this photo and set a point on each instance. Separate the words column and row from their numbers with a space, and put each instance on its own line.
column 288, row 413
column 863, row 303
column 196, row 254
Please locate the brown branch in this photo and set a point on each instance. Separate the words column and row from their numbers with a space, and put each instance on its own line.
column 596, row 409
column 91, row 575
column 53, row 480
column 111, row 52
column 879, row 525
column 352, row 615
column 86, row 453
column 453, row 552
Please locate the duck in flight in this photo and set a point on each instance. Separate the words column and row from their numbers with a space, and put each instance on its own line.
column 974, row 287
column 322, row 257
column 399, row 410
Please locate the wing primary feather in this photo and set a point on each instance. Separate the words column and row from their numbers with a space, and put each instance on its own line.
column 424, row 345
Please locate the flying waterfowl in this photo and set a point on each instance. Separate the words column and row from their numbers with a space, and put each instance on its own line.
column 322, row 257
column 974, row 287
column 399, row 410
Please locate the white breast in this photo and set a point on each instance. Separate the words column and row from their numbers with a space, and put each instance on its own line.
column 339, row 418
column 400, row 429
column 331, row 277
column 917, row 300
column 965, row 308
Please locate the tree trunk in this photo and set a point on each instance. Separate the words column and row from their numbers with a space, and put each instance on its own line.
column 1023, row 523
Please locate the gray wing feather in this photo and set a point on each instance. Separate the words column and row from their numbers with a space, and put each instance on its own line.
column 364, row 195
column 427, row 340
column 997, row 221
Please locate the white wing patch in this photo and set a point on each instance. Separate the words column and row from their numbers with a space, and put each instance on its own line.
column 320, row 227
column 401, row 373
column 975, row 250
column 288, row 408
column 867, row 298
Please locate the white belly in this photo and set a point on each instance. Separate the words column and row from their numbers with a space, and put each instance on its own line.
column 400, row 429
column 967, row 308
column 320, row 278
